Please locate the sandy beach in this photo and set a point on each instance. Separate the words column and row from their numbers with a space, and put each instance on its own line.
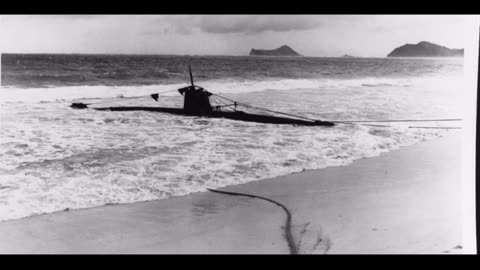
column 406, row 201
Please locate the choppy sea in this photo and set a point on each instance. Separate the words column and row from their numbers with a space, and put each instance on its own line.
column 54, row 157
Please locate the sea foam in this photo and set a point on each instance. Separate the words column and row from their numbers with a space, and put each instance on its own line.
column 56, row 158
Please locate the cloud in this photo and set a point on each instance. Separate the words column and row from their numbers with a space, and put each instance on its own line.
column 253, row 24
column 26, row 18
column 317, row 35
column 248, row 24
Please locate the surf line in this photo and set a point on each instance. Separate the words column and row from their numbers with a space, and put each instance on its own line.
column 288, row 221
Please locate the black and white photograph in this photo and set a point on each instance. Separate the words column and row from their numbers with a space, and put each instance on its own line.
column 238, row 134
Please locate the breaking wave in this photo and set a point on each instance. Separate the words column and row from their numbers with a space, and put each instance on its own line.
column 54, row 157
column 53, row 94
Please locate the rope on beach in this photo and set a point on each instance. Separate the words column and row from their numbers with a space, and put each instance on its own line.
column 337, row 121
column 288, row 221
column 126, row 98
column 403, row 120
column 264, row 109
column 371, row 125
column 439, row 127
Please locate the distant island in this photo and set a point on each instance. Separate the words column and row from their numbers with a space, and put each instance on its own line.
column 348, row 56
column 282, row 51
column 425, row 49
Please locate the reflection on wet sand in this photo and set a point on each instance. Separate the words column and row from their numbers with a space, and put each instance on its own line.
column 209, row 204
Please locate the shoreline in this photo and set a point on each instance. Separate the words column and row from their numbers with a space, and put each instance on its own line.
column 351, row 210
column 228, row 186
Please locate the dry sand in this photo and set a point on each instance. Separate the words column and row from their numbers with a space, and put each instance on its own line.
column 405, row 201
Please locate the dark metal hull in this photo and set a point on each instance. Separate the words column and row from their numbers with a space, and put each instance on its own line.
column 238, row 115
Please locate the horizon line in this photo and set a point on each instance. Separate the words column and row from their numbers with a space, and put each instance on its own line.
column 226, row 55
column 185, row 55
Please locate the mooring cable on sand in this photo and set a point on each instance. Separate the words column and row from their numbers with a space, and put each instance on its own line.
column 288, row 221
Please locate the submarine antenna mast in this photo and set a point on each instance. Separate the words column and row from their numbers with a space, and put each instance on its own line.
column 191, row 76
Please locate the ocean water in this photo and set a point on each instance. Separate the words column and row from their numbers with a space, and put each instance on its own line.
column 54, row 157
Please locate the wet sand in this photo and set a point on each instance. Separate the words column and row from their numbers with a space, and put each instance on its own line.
column 404, row 201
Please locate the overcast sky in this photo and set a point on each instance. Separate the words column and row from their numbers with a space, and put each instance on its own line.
column 310, row 35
